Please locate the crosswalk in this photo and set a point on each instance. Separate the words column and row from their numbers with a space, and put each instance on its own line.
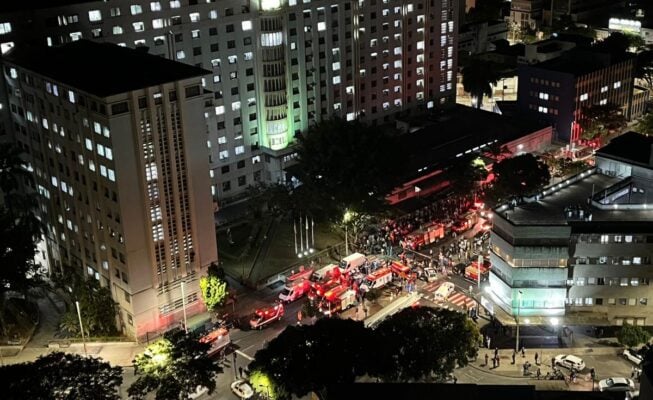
column 457, row 299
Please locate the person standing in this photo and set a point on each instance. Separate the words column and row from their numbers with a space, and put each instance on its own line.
column 498, row 360
column 536, row 359
column 494, row 362
column 488, row 342
column 553, row 362
column 523, row 351
column 496, row 352
column 486, row 359
column 513, row 356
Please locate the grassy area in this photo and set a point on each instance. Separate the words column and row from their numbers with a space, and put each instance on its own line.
column 20, row 318
column 277, row 252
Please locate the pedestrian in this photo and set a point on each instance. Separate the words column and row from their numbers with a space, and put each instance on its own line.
column 536, row 359
column 498, row 361
column 455, row 380
column 240, row 372
column 553, row 362
column 523, row 351
column 486, row 359
column 494, row 362
column 488, row 342
column 513, row 356
column 496, row 352
column 538, row 373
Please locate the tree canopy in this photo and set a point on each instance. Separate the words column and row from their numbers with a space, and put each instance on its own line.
column 478, row 78
column 344, row 165
column 465, row 172
column 645, row 125
column 307, row 358
column 97, row 307
column 518, row 176
column 174, row 367
column 422, row 343
column 632, row 335
column 214, row 290
column 601, row 120
column 20, row 228
column 61, row 376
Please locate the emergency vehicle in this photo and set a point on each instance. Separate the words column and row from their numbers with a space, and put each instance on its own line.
column 465, row 222
column 399, row 269
column 377, row 279
column 265, row 316
column 218, row 339
column 326, row 273
column 319, row 289
column 425, row 236
column 297, row 285
column 337, row 299
column 352, row 262
column 471, row 272
column 430, row 275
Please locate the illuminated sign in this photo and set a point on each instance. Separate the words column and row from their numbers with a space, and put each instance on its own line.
column 625, row 25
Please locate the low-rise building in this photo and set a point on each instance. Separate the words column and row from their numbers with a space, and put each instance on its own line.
column 580, row 251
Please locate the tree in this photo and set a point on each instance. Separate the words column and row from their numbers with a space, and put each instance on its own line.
column 645, row 125
column 214, row 291
column 600, row 120
column 616, row 43
column 344, row 165
column 464, row 173
column 644, row 67
column 632, row 335
column 478, row 78
column 97, row 307
column 61, row 376
column 266, row 387
column 484, row 11
column 518, row 176
column 174, row 366
column 308, row 358
column 423, row 343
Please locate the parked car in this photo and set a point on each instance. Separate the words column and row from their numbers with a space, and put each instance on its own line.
column 632, row 395
column 633, row 356
column 616, row 385
column 444, row 291
column 242, row 389
column 570, row 362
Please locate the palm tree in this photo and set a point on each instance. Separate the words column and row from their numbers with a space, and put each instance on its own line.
column 478, row 78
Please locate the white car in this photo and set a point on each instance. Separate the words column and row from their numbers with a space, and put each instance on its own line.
column 570, row 362
column 444, row 291
column 616, row 385
column 633, row 356
column 242, row 389
column 632, row 395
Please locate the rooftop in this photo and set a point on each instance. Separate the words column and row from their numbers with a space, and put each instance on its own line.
column 457, row 130
column 631, row 147
column 101, row 69
column 582, row 61
column 10, row 6
column 567, row 204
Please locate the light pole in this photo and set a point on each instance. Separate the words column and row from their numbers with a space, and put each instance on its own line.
column 346, row 218
column 517, row 320
column 183, row 303
column 81, row 327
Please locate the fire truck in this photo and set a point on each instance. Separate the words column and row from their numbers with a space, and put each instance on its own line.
column 319, row 289
column 218, row 338
column 265, row 316
column 377, row 279
column 337, row 299
column 297, row 285
column 425, row 236
column 471, row 272
column 326, row 273
column 400, row 270
column 465, row 222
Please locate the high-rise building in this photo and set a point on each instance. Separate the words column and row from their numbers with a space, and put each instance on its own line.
column 276, row 66
column 116, row 140
column 526, row 14
column 579, row 251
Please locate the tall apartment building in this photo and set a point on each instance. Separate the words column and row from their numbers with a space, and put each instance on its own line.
column 277, row 66
column 580, row 252
column 116, row 140
column 557, row 90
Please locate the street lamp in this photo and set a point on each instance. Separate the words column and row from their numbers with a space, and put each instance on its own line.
column 346, row 218
column 81, row 327
column 519, row 294
column 183, row 303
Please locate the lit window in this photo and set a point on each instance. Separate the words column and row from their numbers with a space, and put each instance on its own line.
column 138, row 26
column 248, row 56
column 100, row 149
column 44, row 122
column 543, row 110
column 544, row 96
column 194, row 17
column 97, row 128
column 223, row 154
column 175, row 4
column 232, row 59
column 603, row 102
column 235, row 106
column 71, row 96
column 336, row 66
column 336, row 79
column 155, row 6
column 106, row 132
column 103, row 170
column 604, row 89
column 222, row 140
column 95, row 15
column 239, row 149
column 111, row 174
column 157, row 23
column 108, row 153
column 213, row 14
column 219, row 110
column 117, row 30
column 321, row 26
column 617, row 85
column 14, row 74
column 181, row 55
column 583, row 97
column 136, row 9
column 246, row 25
column 89, row 144
column 5, row 28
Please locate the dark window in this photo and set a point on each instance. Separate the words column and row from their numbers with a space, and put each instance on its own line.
column 240, row 164
column 192, row 91
column 230, row 28
column 226, row 186
column 242, row 180
column 119, row 108
column 225, row 169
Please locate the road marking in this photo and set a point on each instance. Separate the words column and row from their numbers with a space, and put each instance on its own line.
column 240, row 353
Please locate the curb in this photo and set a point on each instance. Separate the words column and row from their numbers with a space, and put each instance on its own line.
column 489, row 371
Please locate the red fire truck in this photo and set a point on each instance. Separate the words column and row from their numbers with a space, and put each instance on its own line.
column 400, row 270
column 425, row 236
column 265, row 316
column 466, row 222
column 297, row 285
column 218, row 339
column 471, row 272
column 337, row 299
column 377, row 279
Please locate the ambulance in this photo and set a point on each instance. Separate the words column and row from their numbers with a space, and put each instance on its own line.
column 218, row 339
column 297, row 285
column 265, row 316
column 377, row 279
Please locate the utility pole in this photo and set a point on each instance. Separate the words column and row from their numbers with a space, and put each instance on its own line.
column 517, row 320
column 81, row 327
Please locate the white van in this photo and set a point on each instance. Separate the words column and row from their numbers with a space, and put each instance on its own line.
column 352, row 262
column 444, row 291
